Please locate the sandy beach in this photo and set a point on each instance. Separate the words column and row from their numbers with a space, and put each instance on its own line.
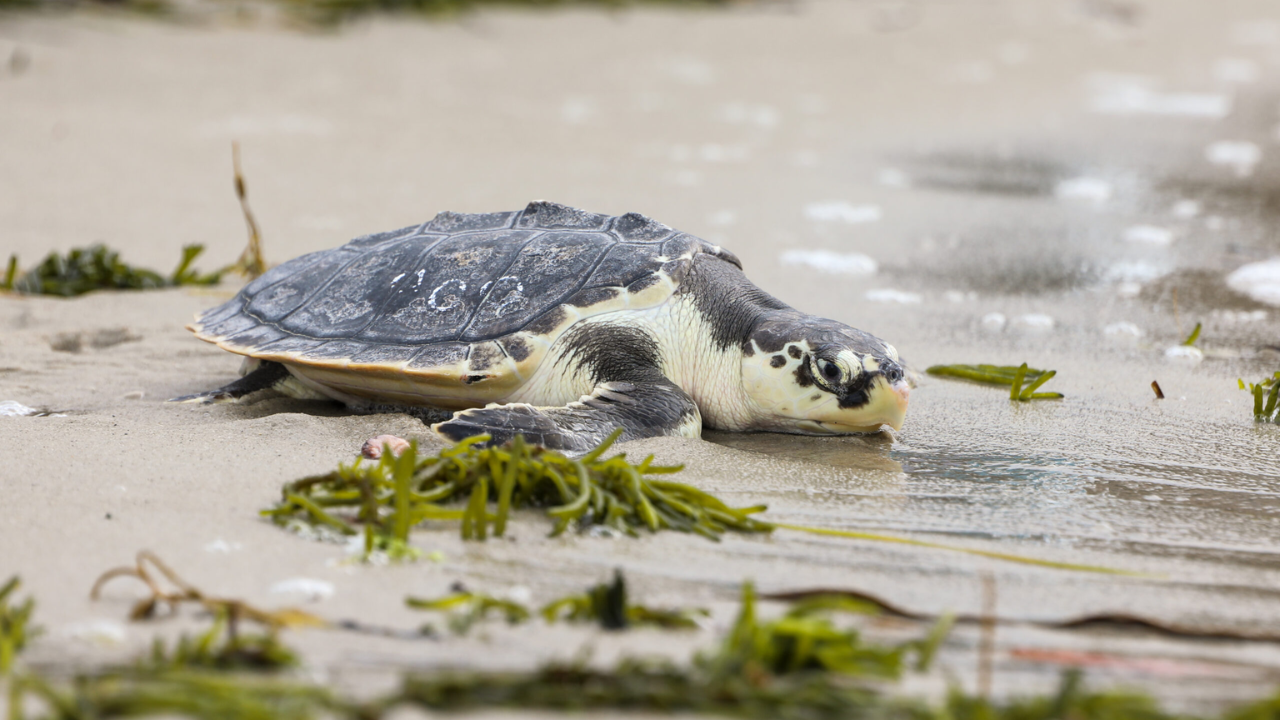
column 1067, row 184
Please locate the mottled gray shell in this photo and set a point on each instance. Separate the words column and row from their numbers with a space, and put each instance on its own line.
column 463, row 296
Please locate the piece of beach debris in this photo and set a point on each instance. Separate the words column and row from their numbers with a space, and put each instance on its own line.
column 16, row 629
column 1155, row 387
column 1266, row 393
column 74, row 342
column 1015, row 377
column 251, row 263
column 183, row 592
column 13, row 408
column 97, row 267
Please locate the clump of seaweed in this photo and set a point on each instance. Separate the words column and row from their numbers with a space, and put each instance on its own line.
column 1015, row 377
column 396, row 493
column 799, row 665
column 15, row 624
column 97, row 267
column 235, row 650
column 251, row 263
column 466, row 608
column 1265, row 393
column 605, row 604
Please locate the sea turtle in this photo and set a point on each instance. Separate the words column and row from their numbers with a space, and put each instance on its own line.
column 555, row 323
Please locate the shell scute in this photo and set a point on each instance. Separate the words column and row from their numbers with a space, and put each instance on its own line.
column 625, row 263
column 382, row 237
column 451, row 223
column 545, row 215
column 439, row 293
column 354, row 294
column 634, row 227
column 547, row 270
column 380, row 354
column 439, row 355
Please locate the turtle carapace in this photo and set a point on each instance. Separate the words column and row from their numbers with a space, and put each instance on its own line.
column 557, row 324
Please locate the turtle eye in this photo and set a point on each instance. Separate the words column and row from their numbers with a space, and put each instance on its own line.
column 829, row 370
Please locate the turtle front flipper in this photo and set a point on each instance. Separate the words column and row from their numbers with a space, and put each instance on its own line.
column 266, row 376
column 642, row 410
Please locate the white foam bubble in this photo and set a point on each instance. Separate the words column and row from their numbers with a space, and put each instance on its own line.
column 1238, row 317
column 832, row 262
column 13, row 408
column 765, row 116
column 309, row 588
column 894, row 178
column 1239, row 155
column 993, row 321
column 1148, row 235
column 839, row 210
column 1186, row 209
column 1239, row 71
column 1122, row 330
column 97, row 632
column 1084, row 188
column 1259, row 280
column 889, row 295
column 1137, row 95
column 1034, row 323
column 1184, row 354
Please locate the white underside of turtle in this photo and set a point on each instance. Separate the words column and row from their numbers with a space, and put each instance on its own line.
column 556, row 324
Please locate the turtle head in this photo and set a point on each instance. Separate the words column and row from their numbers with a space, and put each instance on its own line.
column 814, row 376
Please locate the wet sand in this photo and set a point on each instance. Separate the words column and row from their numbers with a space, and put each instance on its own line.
column 1054, row 164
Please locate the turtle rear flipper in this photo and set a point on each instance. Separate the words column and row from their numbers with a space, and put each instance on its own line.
column 648, row 409
column 266, row 376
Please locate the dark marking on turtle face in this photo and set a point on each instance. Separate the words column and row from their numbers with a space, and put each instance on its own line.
column 794, row 351
column 593, row 296
column 804, row 378
column 748, row 350
column 446, row 354
column 612, row 352
column 634, row 227
column 857, row 393
column 777, row 361
column 816, row 397
column 515, row 347
column 484, row 355
column 473, row 379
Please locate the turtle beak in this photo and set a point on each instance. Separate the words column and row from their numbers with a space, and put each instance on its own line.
column 888, row 405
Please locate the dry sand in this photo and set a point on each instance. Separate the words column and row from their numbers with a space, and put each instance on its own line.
column 943, row 139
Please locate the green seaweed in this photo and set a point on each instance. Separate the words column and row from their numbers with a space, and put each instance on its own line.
column 16, row 629
column 1193, row 337
column 1266, row 393
column 395, row 494
column 97, row 267
column 1013, row 376
column 607, row 605
column 466, row 608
